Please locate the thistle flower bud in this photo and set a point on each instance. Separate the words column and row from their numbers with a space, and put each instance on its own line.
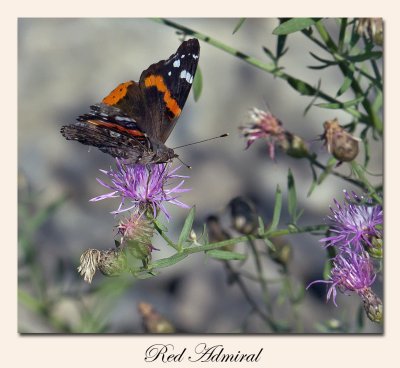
column 216, row 233
column 294, row 146
column 243, row 215
column 376, row 248
column 112, row 262
column 153, row 322
column 372, row 305
column 340, row 144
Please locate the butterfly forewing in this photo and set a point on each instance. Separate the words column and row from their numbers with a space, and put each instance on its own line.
column 166, row 85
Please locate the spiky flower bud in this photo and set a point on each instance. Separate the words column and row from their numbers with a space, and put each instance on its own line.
column 154, row 322
column 294, row 146
column 112, row 262
column 243, row 215
column 372, row 305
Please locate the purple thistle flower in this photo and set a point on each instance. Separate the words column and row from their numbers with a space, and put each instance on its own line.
column 354, row 224
column 351, row 272
column 144, row 186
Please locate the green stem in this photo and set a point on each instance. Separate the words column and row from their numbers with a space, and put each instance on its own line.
column 237, row 278
column 260, row 272
column 342, row 34
column 315, row 162
column 168, row 240
column 359, row 170
column 270, row 68
column 217, row 245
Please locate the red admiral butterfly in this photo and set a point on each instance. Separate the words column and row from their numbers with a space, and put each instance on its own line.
column 135, row 119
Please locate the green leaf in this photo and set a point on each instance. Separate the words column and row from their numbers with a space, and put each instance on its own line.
column 277, row 209
column 238, row 25
column 261, row 226
column 377, row 104
column 345, row 86
column 314, row 98
column 325, row 61
column 269, row 244
column 226, row 255
column 327, row 269
column 187, row 227
column 269, row 53
column 366, row 56
column 280, row 46
column 314, row 182
column 340, row 105
column 292, row 197
column 294, row 25
column 197, row 84
column 166, row 262
column 329, row 166
column 302, row 87
column 360, row 318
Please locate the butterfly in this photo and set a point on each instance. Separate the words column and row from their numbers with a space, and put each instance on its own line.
column 134, row 120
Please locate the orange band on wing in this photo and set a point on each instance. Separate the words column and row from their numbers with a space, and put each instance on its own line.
column 158, row 82
column 133, row 132
column 117, row 94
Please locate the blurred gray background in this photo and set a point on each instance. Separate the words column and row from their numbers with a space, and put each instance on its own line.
column 65, row 65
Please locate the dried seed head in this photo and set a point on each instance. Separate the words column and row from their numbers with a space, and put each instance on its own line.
column 89, row 262
column 340, row 144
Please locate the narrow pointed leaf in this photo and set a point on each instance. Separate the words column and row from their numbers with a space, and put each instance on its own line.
column 238, row 25
column 197, row 84
column 187, row 227
column 345, row 86
column 166, row 262
column 340, row 105
column 366, row 56
column 294, row 25
column 277, row 209
column 226, row 255
column 292, row 196
column 314, row 181
column 280, row 46
column 261, row 226
column 302, row 87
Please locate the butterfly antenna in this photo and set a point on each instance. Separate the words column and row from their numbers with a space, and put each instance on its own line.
column 204, row 140
column 188, row 166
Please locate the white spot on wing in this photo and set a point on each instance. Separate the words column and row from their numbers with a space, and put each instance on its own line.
column 186, row 75
column 114, row 134
column 177, row 63
column 182, row 56
column 195, row 56
column 169, row 73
